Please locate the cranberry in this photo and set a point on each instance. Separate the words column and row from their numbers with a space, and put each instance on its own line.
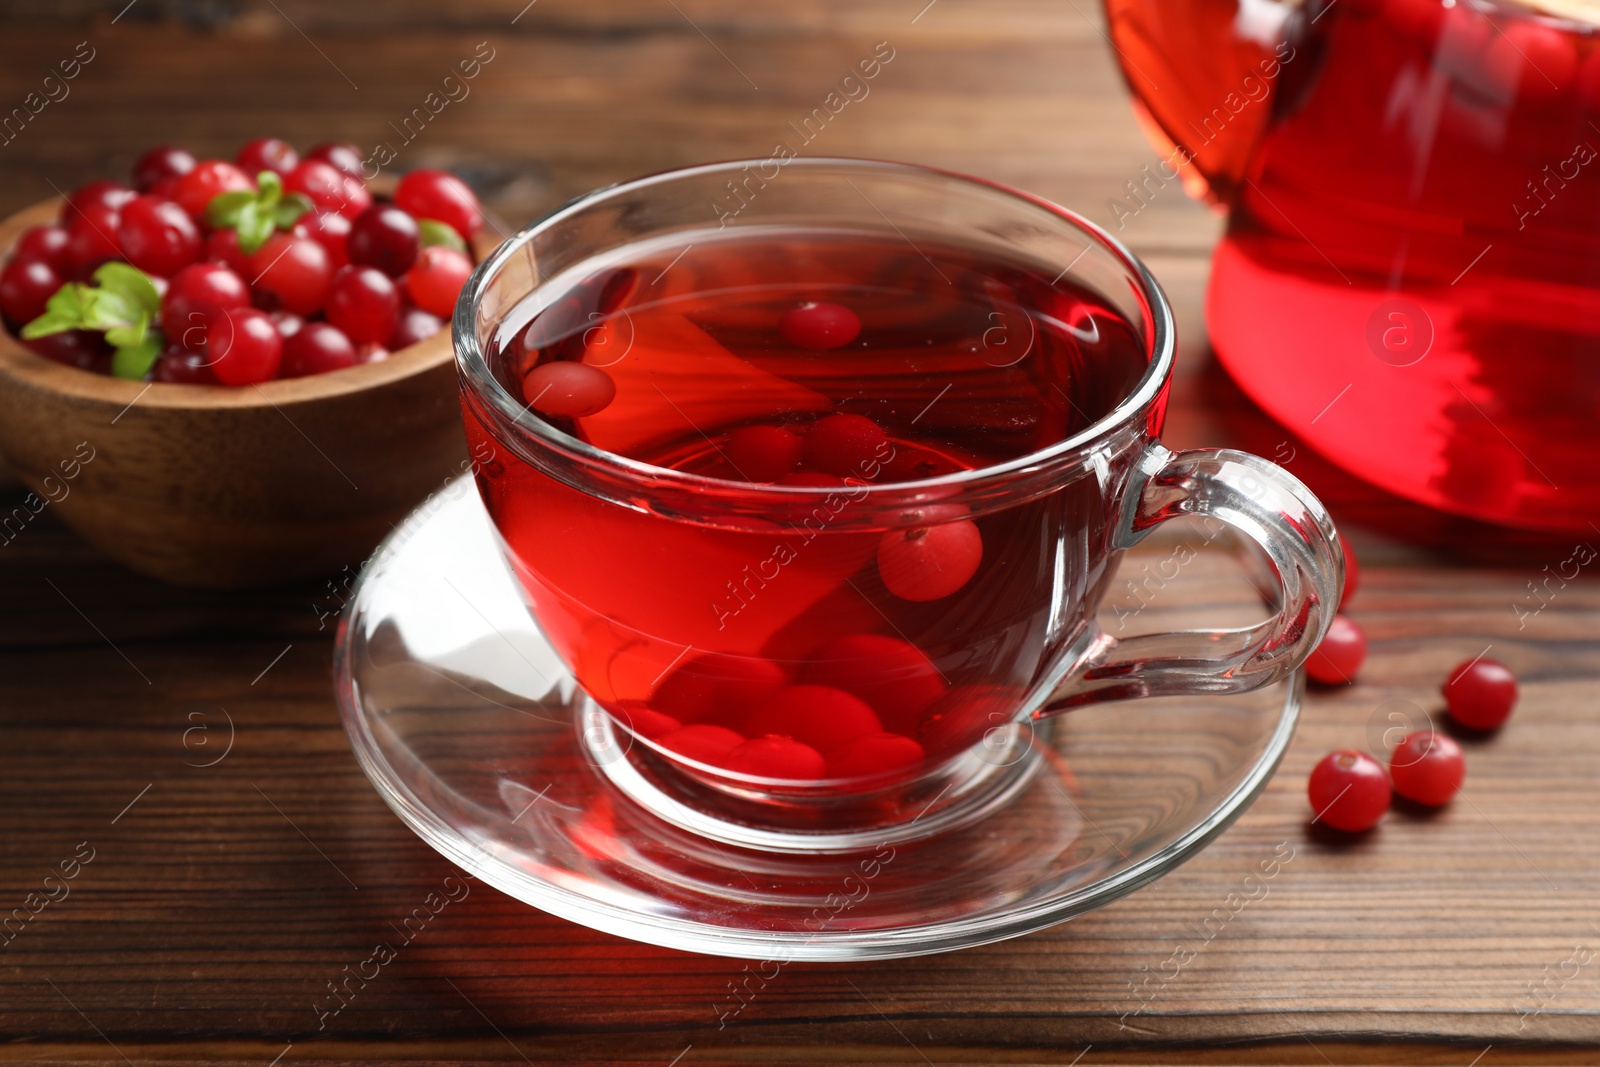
column 437, row 279
column 717, row 686
column 846, row 445
column 177, row 364
column 92, row 238
column 1427, row 767
column 703, row 742
column 643, row 721
column 1337, row 660
column 25, row 286
column 316, row 348
column 222, row 246
column 158, row 236
column 1589, row 81
column 564, row 388
column 775, row 757
column 895, row 677
column 433, row 194
column 1348, row 791
column 819, row 325
column 874, row 754
column 930, row 562
column 385, row 237
column 762, row 453
column 287, row 323
column 99, row 193
column 415, row 326
column 295, row 270
column 209, row 178
column 242, row 346
column 199, row 287
column 328, row 188
column 965, row 716
column 371, row 352
column 267, row 153
column 1352, row 572
column 820, row 716
column 345, row 158
column 1537, row 63
column 47, row 244
column 1481, row 693
column 364, row 303
column 86, row 349
column 163, row 163
column 332, row 231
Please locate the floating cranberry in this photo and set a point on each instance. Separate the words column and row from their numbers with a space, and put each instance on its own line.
column 434, row 194
column 208, row 179
column 242, row 346
column 895, row 677
column 930, row 562
column 874, row 754
column 822, row 717
column 1481, row 693
column 1349, row 791
column 414, row 326
column 846, row 445
column 647, row 722
column 47, row 244
column 316, row 348
column 574, row 389
column 1534, row 62
column 717, row 686
column 437, row 279
column 385, row 237
column 1427, row 767
column 157, row 235
column 776, row 757
column 328, row 188
column 343, row 157
column 364, row 303
column 1337, row 660
column 163, row 163
column 296, row 271
column 267, row 153
column 702, row 742
column 98, row 193
column 762, row 453
column 25, row 286
column 819, row 325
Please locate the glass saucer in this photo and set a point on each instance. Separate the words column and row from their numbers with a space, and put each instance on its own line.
column 473, row 732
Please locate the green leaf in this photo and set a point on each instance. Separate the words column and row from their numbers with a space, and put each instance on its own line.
column 223, row 211
column 130, row 335
column 255, row 226
column 66, row 309
column 104, row 309
column 289, row 210
column 134, row 361
column 130, row 282
column 434, row 232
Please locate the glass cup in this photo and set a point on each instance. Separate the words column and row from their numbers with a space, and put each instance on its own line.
column 967, row 682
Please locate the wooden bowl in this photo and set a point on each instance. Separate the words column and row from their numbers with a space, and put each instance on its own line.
column 209, row 485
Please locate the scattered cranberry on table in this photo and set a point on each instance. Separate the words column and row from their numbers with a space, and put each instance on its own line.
column 1481, row 693
column 1349, row 791
column 1337, row 660
column 1427, row 767
column 234, row 272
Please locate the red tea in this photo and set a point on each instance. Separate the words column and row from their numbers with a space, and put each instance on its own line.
column 1409, row 277
column 810, row 640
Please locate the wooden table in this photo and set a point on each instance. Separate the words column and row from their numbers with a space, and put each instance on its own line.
column 221, row 899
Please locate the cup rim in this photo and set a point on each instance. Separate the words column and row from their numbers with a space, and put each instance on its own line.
column 475, row 373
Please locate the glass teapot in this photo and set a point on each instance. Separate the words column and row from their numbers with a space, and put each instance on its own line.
column 1410, row 277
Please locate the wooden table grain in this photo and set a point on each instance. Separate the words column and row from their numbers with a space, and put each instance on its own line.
column 222, row 875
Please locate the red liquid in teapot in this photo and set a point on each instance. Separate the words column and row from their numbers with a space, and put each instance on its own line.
column 1411, row 273
column 807, row 644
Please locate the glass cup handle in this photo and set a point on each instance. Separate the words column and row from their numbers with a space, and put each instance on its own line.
column 1263, row 502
